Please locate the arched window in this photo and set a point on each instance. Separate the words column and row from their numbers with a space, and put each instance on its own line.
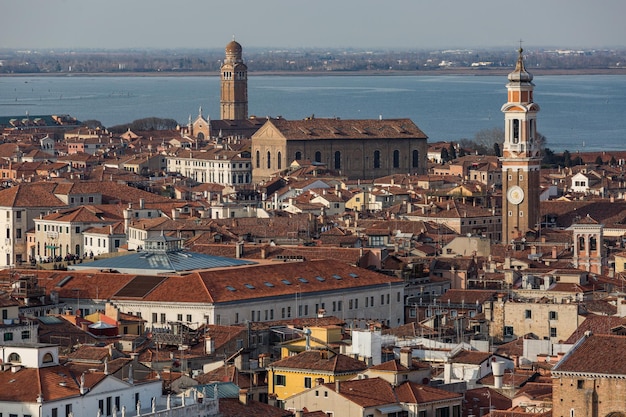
column 258, row 159
column 15, row 358
column 47, row 358
column 318, row 156
column 279, row 162
column 298, row 156
column 593, row 243
column 396, row 159
column 516, row 131
column 581, row 243
column 376, row 159
column 269, row 160
column 416, row 159
column 337, row 160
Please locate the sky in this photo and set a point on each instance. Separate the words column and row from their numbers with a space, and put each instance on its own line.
column 271, row 24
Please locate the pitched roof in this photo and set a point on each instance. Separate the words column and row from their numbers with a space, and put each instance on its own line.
column 321, row 360
column 595, row 355
column 332, row 129
column 39, row 194
column 410, row 392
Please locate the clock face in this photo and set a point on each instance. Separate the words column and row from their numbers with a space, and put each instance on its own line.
column 515, row 195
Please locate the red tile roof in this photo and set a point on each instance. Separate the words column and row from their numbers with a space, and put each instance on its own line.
column 595, row 355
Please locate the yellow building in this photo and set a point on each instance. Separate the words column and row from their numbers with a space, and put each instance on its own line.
column 307, row 369
column 620, row 262
column 313, row 338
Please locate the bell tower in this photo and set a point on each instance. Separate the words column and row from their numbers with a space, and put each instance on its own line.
column 234, row 84
column 521, row 159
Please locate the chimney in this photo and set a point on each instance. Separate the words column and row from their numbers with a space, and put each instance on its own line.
column 498, row 374
column 239, row 250
column 243, row 396
column 299, row 413
column 209, row 345
column 554, row 255
column 337, row 386
column 319, row 381
column 142, row 203
column 406, row 357
column 174, row 214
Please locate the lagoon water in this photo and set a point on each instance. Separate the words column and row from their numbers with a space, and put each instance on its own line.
column 582, row 112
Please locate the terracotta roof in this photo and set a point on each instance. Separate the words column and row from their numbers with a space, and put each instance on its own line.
column 30, row 195
column 323, row 361
column 232, row 407
column 370, row 392
column 332, row 129
column 595, row 355
column 410, row 392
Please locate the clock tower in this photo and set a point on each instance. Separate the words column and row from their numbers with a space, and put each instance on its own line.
column 234, row 84
column 521, row 158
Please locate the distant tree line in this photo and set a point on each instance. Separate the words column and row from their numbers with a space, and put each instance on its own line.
column 301, row 60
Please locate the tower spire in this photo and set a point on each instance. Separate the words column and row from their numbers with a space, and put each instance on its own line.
column 521, row 158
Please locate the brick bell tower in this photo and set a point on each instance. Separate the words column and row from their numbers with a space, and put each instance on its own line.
column 521, row 158
column 234, row 84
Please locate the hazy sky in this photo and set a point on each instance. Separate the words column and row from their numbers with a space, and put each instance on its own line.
column 364, row 24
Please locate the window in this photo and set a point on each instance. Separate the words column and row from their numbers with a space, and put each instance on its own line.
column 163, row 320
column 269, row 160
column 258, row 159
column 189, row 318
column 508, row 330
column 396, row 159
column 528, row 314
column 318, row 156
column 415, row 162
column 55, row 412
column 376, row 159
column 307, row 382
column 154, row 317
column 337, row 160
column 580, row 384
column 442, row 412
column 279, row 161
column 68, row 410
column 553, row 315
column 298, row 155
column 25, row 334
column 280, row 380
column 552, row 331
column 179, row 317
column 8, row 337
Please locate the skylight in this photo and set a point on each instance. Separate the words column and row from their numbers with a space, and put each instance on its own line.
column 229, row 288
column 286, row 282
column 249, row 286
column 320, row 279
column 337, row 277
column 353, row 275
column 268, row 284
column 304, row 280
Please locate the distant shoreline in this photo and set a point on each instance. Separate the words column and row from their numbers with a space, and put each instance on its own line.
column 437, row 72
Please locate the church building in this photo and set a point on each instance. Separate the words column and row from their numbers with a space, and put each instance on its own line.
column 356, row 149
column 521, row 158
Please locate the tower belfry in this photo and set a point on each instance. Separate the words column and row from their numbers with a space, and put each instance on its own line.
column 521, row 156
column 234, row 84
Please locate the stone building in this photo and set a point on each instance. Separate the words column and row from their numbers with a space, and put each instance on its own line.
column 588, row 380
column 362, row 149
